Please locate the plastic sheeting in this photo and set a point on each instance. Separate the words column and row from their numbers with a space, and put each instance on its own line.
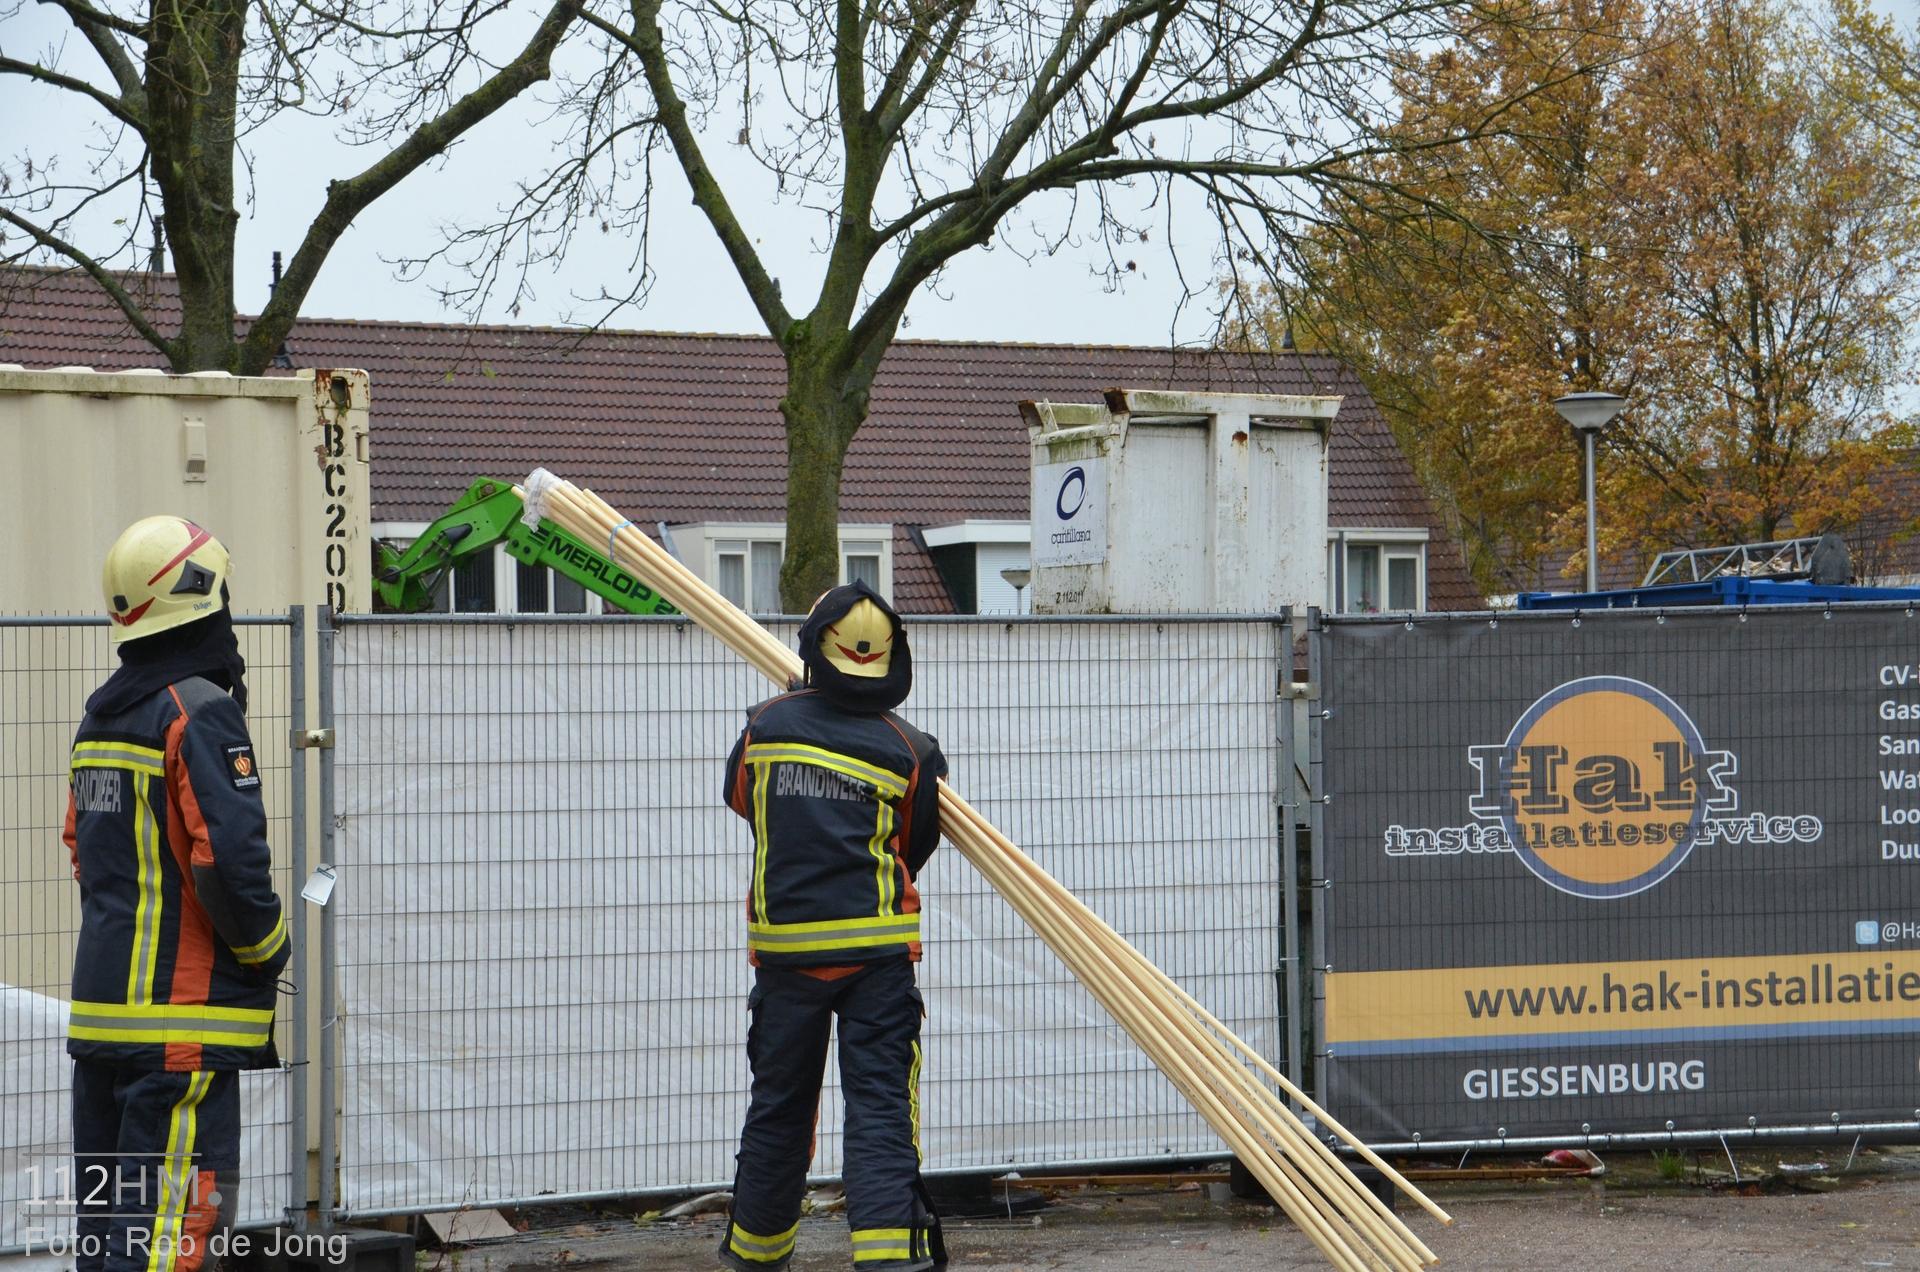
column 540, row 907
column 36, row 1131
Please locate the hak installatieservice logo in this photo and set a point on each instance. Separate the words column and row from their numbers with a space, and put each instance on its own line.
column 1603, row 788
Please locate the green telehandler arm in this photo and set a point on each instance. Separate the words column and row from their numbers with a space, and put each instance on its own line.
column 489, row 513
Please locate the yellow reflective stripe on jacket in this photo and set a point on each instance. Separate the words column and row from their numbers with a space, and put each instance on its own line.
column 883, row 885
column 177, row 1175
column 892, row 785
column 759, row 1249
column 266, row 949
column 762, row 839
column 833, row 934
column 882, row 1243
column 161, row 1023
column 142, row 966
column 126, row 755
column 139, row 763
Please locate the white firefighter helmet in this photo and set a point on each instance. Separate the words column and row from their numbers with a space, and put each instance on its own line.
column 162, row 573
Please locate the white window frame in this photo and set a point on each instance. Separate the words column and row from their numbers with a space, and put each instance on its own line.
column 743, row 548
column 1396, row 543
column 876, row 548
column 702, row 544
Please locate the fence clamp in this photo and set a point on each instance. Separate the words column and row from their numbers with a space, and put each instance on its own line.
column 311, row 739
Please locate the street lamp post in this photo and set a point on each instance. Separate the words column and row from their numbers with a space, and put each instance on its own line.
column 1589, row 413
column 1017, row 579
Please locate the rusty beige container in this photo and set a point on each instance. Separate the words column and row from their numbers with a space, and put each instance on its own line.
column 274, row 466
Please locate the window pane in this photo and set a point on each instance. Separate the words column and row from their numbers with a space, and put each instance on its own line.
column 473, row 585
column 568, row 597
column 864, row 569
column 442, row 602
column 766, row 578
column 530, row 587
column 1363, row 580
column 1403, row 583
column 733, row 578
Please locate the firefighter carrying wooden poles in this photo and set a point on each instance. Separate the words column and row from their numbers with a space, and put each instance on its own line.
column 181, row 935
column 842, row 797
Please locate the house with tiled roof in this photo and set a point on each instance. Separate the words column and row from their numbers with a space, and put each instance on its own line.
column 684, row 432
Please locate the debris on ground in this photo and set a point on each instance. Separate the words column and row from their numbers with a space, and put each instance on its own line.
column 713, row 1203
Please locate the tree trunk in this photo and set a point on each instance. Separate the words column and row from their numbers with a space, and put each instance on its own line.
column 192, row 82
column 823, row 408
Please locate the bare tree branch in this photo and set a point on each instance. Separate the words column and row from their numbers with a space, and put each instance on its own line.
column 648, row 42
column 119, row 108
column 109, row 282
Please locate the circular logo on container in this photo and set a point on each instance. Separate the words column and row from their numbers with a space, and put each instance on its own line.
column 1073, row 487
column 1605, row 796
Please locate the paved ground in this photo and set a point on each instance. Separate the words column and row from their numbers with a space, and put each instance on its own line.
column 1633, row 1218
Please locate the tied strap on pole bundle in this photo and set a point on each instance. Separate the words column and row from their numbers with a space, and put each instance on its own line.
column 1228, row 1083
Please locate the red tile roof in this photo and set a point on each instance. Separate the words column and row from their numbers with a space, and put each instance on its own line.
column 917, row 585
column 678, row 428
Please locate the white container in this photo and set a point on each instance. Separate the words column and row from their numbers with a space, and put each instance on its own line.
column 1156, row 502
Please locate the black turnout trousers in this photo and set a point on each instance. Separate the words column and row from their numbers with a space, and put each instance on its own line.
column 157, row 1166
column 879, row 1011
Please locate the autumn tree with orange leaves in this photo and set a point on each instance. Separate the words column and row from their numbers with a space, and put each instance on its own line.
column 1704, row 220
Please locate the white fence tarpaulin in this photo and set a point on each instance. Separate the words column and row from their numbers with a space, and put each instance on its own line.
column 540, row 908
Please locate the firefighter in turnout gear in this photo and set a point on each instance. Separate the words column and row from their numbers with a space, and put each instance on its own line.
column 181, row 936
column 842, row 796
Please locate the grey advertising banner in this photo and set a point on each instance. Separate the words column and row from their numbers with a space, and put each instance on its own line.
column 1631, row 873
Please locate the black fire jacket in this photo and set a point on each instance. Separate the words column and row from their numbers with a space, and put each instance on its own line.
column 181, row 935
column 845, row 810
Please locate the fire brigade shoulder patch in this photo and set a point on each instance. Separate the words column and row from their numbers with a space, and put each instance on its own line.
column 241, row 768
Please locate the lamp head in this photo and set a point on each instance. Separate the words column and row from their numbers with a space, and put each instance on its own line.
column 1589, row 412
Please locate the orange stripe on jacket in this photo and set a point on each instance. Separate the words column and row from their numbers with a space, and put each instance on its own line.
column 187, row 837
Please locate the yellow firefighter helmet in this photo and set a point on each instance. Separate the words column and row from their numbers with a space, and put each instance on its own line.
column 861, row 642
column 162, row 573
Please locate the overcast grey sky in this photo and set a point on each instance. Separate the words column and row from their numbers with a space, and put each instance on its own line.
column 1014, row 291
column 1011, row 291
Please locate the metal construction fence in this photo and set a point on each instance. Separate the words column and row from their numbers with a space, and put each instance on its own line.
column 1626, row 877
column 48, row 667
column 538, row 916
column 1619, row 877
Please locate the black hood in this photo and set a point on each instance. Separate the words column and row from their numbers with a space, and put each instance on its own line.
column 870, row 694
column 207, row 647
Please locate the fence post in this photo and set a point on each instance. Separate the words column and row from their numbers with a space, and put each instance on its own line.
column 1316, row 831
column 1289, row 790
column 297, row 927
column 329, row 1005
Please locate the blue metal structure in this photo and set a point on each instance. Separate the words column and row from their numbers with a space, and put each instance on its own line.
column 1726, row 589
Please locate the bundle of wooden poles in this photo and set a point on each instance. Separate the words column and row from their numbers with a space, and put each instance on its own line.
column 1230, row 1084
